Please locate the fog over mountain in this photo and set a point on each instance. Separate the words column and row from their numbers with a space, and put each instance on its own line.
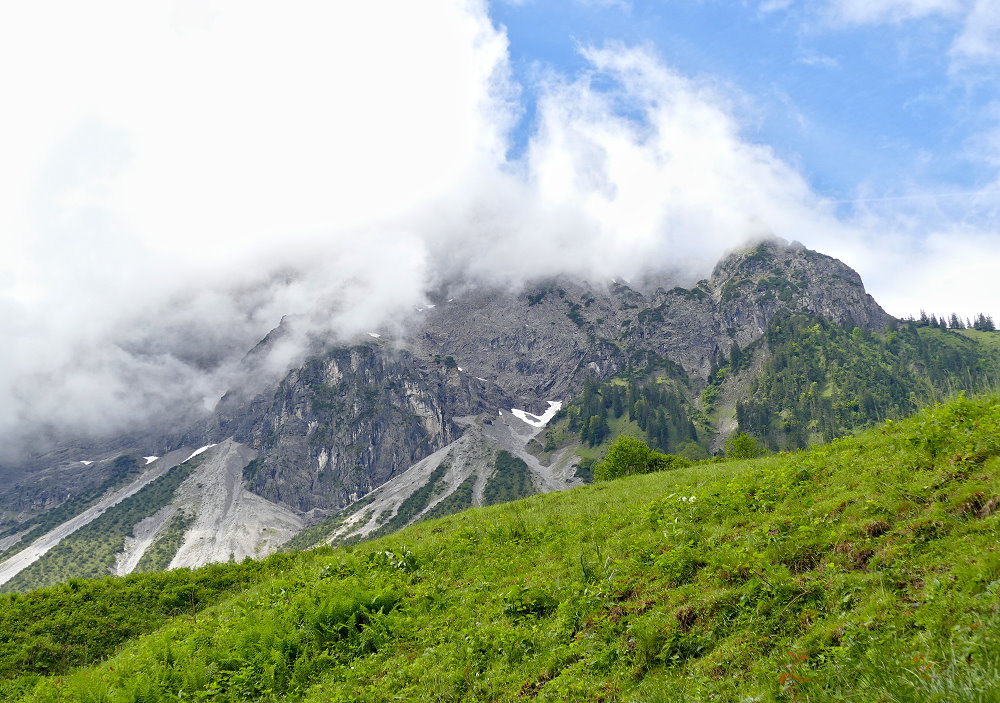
column 179, row 180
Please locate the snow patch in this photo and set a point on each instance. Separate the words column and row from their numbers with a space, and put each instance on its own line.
column 538, row 420
column 480, row 379
column 85, row 462
column 376, row 335
column 429, row 306
column 196, row 452
column 460, row 368
column 150, row 459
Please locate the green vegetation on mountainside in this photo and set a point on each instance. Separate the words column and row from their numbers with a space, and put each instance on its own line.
column 160, row 553
column 867, row 569
column 649, row 401
column 822, row 381
column 455, row 502
column 819, row 381
column 987, row 339
column 511, row 480
column 417, row 501
column 123, row 469
column 90, row 551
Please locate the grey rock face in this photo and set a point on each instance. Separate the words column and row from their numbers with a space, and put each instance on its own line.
column 352, row 418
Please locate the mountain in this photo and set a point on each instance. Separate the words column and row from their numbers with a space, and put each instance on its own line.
column 489, row 395
column 866, row 569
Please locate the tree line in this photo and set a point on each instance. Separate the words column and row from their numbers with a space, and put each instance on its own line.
column 981, row 322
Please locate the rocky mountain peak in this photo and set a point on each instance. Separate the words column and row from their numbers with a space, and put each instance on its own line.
column 753, row 284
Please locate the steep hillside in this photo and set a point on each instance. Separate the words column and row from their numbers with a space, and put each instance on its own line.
column 866, row 569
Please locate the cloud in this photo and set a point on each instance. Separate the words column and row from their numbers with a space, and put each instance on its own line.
column 180, row 178
column 769, row 6
column 176, row 179
column 657, row 166
column 975, row 23
column 877, row 11
column 979, row 40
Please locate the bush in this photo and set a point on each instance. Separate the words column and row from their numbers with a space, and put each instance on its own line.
column 743, row 446
column 628, row 456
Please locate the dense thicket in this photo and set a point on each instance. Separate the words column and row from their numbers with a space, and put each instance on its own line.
column 50, row 631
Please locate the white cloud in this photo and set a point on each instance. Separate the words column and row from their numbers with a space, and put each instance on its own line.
column 657, row 167
column 976, row 39
column 875, row 11
column 168, row 164
column 979, row 40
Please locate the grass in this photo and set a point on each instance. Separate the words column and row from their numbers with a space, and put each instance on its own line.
column 863, row 570
column 988, row 339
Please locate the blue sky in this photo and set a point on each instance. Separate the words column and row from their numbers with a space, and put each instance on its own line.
column 865, row 110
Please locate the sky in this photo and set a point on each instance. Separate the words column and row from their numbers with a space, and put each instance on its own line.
column 176, row 176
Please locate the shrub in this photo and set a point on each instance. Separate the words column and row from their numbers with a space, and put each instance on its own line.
column 629, row 456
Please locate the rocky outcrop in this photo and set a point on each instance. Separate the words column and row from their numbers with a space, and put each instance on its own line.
column 350, row 419
column 751, row 286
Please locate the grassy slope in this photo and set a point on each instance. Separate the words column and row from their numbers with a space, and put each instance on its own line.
column 864, row 570
column 988, row 339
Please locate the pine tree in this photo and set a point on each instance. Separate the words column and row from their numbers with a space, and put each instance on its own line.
column 984, row 323
column 735, row 356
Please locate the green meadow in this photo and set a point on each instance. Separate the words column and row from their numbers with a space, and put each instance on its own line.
column 866, row 569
